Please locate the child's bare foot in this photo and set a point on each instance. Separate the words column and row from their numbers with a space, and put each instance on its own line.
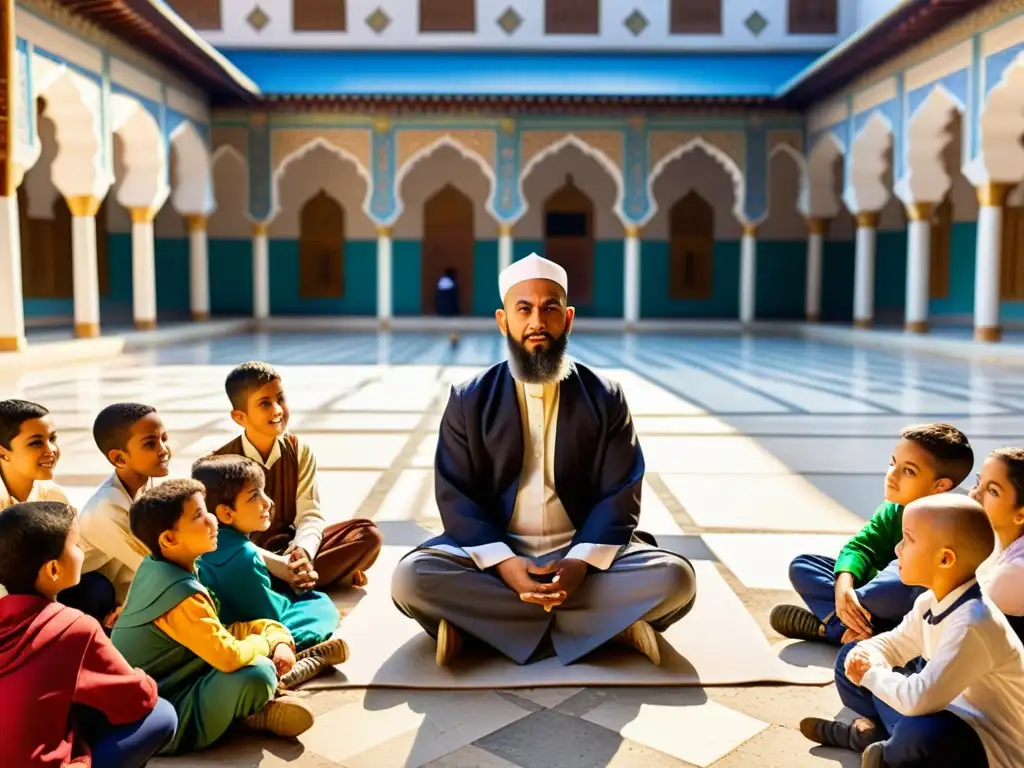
column 284, row 716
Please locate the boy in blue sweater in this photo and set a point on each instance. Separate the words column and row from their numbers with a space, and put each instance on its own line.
column 236, row 572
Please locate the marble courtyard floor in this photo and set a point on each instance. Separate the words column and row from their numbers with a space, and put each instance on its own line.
column 757, row 449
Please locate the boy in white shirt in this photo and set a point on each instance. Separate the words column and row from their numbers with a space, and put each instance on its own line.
column 963, row 707
column 1000, row 490
column 133, row 438
column 29, row 453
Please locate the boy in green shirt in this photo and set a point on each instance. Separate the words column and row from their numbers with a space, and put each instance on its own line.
column 860, row 593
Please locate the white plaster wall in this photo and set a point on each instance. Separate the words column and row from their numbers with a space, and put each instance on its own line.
column 694, row 170
column 549, row 176
column 403, row 32
column 305, row 177
column 784, row 221
column 445, row 166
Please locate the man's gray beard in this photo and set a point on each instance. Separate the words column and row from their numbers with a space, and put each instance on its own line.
column 547, row 366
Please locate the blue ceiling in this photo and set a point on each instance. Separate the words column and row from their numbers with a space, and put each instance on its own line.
column 519, row 74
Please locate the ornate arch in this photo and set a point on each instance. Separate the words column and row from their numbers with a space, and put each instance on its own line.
column 572, row 140
column 192, row 188
column 305, row 149
column 865, row 188
column 1000, row 156
column 822, row 201
column 77, row 169
column 804, row 195
column 926, row 178
column 227, row 153
column 728, row 164
column 446, row 140
column 145, row 154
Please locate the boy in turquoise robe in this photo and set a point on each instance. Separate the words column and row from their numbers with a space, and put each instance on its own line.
column 212, row 673
column 238, row 575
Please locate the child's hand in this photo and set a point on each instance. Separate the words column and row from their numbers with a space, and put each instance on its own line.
column 848, row 608
column 283, row 658
column 849, row 636
column 111, row 618
column 858, row 663
column 300, row 564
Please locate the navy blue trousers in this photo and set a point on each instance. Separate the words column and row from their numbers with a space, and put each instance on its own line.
column 128, row 746
column 93, row 596
column 940, row 740
column 885, row 597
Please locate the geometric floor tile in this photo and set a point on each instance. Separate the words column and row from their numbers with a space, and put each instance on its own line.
column 407, row 728
column 549, row 698
column 759, row 503
column 674, row 729
column 761, row 560
column 712, row 455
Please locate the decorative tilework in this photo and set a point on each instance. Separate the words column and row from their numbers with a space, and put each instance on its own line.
column 636, row 23
column 901, row 126
column 507, row 203
column 382, row 143
column 890, row 110
column 756, row 23
column 957, row 84
column 258, row 156
column 257, row 19
column 637, row 204
column 378, row 21
column 510, row 21
column 25, row 133
column 755, row 198
column 996, row 65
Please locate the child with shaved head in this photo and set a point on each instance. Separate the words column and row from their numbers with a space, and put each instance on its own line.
column 960, row 703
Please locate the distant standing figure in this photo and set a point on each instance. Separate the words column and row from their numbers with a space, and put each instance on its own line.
column 447, row 298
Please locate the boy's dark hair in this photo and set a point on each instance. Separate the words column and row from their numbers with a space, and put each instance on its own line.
column 245, row 379
column 1013, row 458
column 159, row 510
column 113, row 425
column 224, row 477
column 14, row 413
column 954, row 457
column 31, row 534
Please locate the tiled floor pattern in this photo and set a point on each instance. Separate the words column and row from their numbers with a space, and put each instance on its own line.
column 756, row 448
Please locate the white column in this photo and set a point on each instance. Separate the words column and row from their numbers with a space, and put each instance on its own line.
column 504, row 247
column 631, row 276
column 143, row 269
column 919, row 263
column 85, row 265
column 987, row 262
column 198, row 268
column 748, row 274
column 12, row 307
column 384, row 275
column 815, row 251
column 260, row 271
column 864, row 270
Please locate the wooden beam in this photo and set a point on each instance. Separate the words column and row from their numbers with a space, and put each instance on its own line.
column 8, row 82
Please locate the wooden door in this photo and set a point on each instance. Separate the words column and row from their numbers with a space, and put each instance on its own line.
column 569, row 238
column 448, row 240
column 322, row 248
column 1011, row 282
column 941, row 245
column 691, row 248
column 46, row 260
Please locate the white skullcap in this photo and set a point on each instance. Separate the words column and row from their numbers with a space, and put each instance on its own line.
column 533, row 267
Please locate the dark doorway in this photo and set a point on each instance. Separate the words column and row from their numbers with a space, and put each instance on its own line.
column 448, row 240
column 692, row 248
column 322, row 248
column 569, row 238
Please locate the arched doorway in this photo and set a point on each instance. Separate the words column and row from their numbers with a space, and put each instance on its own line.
column 46, row 261
column 448, row 240
column 322, row 248
column 692, row 248
column 569, row 237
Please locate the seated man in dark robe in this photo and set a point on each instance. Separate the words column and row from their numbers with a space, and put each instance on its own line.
column 540, row 551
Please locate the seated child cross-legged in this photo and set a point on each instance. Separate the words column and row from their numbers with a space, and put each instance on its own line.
column 213, row 674
column 236, row 573
column 962, row 704
column 72, row 698
column 29, row 452
column 299, row 547
column 133, row 439
column 860, row 593
column 1000, row 491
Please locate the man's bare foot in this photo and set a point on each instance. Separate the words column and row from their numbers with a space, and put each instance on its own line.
column 643, row 638
column 359, row 579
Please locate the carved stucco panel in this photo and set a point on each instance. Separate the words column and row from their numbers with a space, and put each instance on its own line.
column 664, row 143
column 353, row 141
column 411, row 143
column 608, row 143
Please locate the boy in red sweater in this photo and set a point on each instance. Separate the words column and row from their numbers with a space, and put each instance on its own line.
column 73, row 699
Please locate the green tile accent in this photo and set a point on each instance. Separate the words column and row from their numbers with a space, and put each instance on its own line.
column 654, row 272
column 360, row 281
